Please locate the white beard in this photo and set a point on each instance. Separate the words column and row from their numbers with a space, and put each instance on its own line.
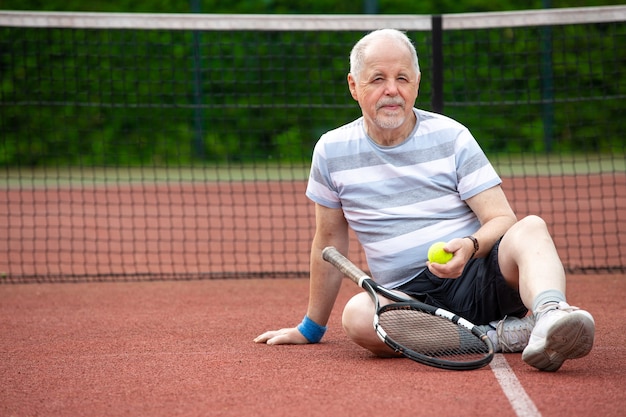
column 389, row 122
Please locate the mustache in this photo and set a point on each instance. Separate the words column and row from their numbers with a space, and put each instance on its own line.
column 390, row 102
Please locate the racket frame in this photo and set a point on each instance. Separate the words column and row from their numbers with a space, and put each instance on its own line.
column 363, row 280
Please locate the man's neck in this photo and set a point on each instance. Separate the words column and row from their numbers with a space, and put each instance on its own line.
column 391, row 137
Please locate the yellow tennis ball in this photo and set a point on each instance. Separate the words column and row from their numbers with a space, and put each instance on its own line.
column 436, row 254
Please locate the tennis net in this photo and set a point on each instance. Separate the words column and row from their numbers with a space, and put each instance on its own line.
column 173, row 146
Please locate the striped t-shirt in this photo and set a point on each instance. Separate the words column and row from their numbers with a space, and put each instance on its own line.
column 401, row 199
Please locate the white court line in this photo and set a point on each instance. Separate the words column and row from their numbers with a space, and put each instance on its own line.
column 514, row 391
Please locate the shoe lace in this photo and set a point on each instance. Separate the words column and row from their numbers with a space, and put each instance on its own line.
column 513, row 335
column 561, row 305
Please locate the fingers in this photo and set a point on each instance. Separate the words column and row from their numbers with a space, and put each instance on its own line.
column 452, row 269
column 263, row 338
column 289, row 336
column 268, row 336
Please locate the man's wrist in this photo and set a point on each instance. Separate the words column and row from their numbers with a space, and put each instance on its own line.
column 475, row 243
column 312, row 331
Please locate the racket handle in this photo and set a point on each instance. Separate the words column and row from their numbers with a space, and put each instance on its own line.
column 331, row 254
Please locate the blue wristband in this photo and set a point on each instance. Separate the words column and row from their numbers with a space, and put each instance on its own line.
column 311, row 330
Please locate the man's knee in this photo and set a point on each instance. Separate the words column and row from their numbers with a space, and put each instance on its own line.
column 358, row 319
column 529, row 227
column 533, row 222
column 358, row 312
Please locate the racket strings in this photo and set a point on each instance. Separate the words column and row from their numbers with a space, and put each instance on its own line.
column 429, row 335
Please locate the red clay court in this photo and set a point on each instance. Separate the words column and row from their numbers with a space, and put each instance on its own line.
column 183, row 346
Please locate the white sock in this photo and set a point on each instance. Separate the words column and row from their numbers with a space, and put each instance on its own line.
column 548, row 296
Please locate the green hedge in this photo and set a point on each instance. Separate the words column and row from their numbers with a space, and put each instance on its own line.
column 98, row 97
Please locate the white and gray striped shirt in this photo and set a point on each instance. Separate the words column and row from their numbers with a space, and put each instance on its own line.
column 401, row 199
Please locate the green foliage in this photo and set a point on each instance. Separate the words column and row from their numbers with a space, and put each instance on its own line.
column 513, row 98
column 123, row 97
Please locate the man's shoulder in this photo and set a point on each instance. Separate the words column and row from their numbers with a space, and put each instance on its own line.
column 425, row 116
column 351, row 129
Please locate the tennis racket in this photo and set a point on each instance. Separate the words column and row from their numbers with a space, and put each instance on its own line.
column 429, row 335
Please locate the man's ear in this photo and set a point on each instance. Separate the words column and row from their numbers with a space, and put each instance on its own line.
column 352, row 87
column 419, row 78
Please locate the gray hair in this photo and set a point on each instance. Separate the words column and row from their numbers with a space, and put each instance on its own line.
column 357, row 56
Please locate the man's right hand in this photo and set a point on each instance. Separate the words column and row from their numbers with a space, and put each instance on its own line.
column 282, row 337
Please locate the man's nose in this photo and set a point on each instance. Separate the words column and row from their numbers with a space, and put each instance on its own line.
column 391, row 88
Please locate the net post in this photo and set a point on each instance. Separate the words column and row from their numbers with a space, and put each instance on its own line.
column 437, row 63
column 547, row 83
column 198, row 117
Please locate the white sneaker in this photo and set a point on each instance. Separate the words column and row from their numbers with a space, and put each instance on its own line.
column 562, row 332
column 510, row 334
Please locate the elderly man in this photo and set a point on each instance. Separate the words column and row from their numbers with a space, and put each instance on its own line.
column 403, row 178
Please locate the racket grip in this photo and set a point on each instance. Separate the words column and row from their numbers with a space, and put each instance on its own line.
column 333, row 256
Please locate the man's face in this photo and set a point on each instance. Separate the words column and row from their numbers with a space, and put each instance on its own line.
column 387, row 87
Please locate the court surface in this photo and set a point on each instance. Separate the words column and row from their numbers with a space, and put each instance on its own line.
column 185, row 348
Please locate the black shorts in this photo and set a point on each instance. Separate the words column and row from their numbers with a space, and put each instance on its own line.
column 480, row 294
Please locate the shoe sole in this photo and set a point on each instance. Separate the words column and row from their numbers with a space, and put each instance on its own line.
column 571, row 337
